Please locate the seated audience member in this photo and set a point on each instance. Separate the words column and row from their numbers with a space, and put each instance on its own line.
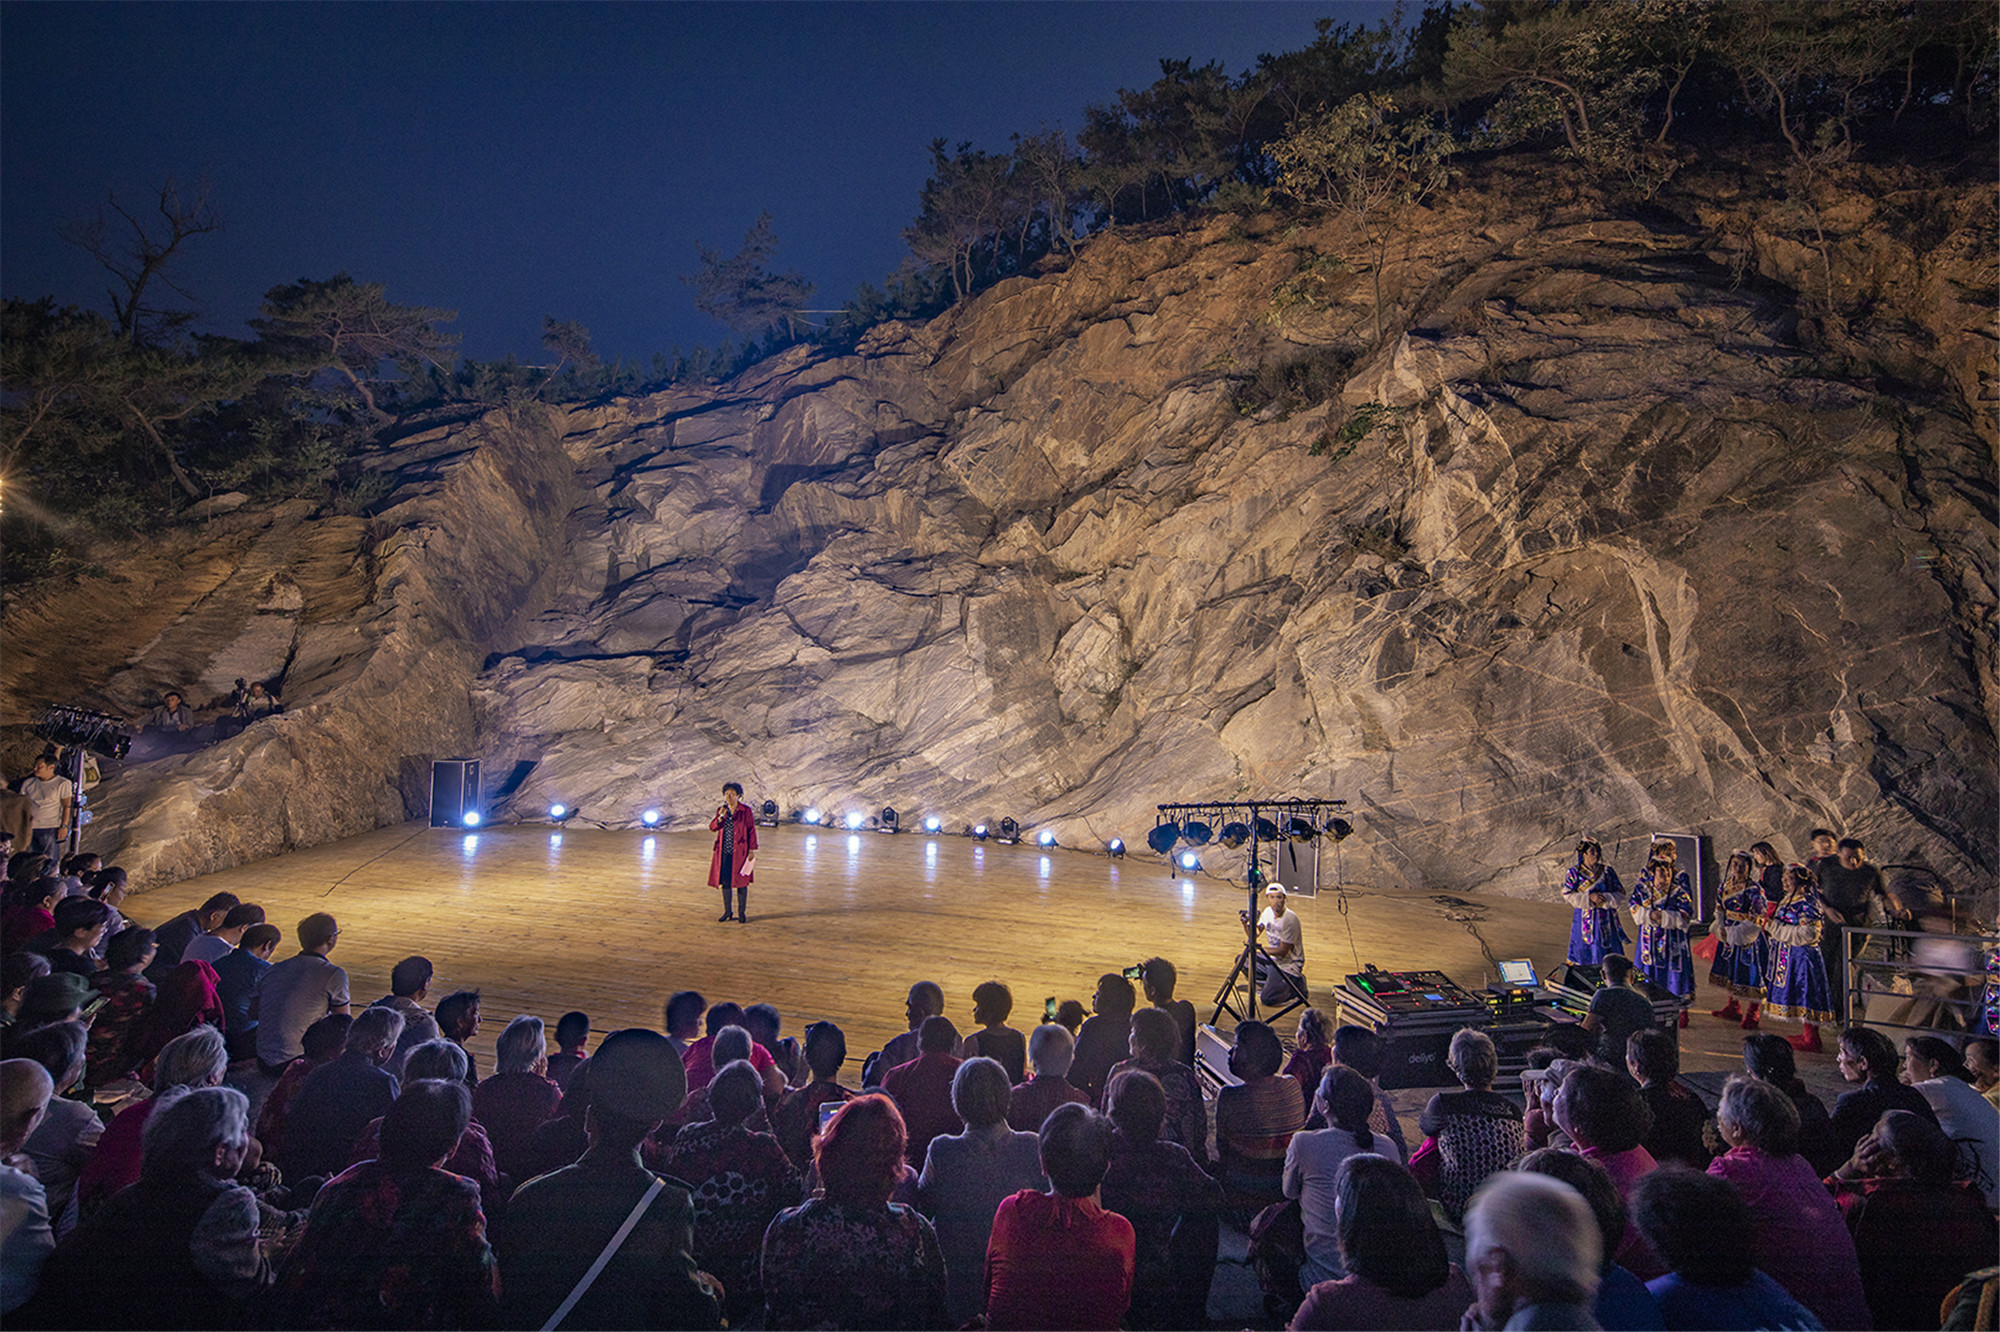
column 1541, row 1081
column 236, row 979
column 967, row 1175
column 1939, row 1075
column 109, row 886
column 922, row 1087
column 1070, row 1015
column 184, row 999
column 1312, row 1163
column 440, row 1060
column 1770, row 1058
column 738, row 1180
column 795, row 1119
column 298, row 992
column 519, row 1098
column 31, row 910
column 700, row 1057
column 1917, row 1228
column 1172, row 1203
column 1797, row 1232
column 58, row 996
column 765, row 1023
column 1050, row 1049
column 1532, row 1251
column 1653, row 1058
column 77, row 871
column 926, row 999
column 409, row 985
column 62, row 1143
column 563, row 1140
column 336, row 1102
column 1702, row 1230
column 1623, row 1303
column 1312, row 1049
column 195, row 1060
column 1982, row 1060
column 1106, row 1036
column 1397, row 1273
column 77, row 929
column 1477, row 1130
column 323, row 1043
column 26, row 1237
column 1153, row 1042
column 1157, row 979
column 1360, row 1049
column 17, row 972
column 128, row 998
column 1058, row 1259
column 992, row 1002
column 178, row 1249
column 682, row 1019
column 1607, row 1120
column 572, row 1031
column 1867, row 1059
column 850, row 1258
column 729, row 1045
column 224, row 938
column 1616, row 1011
column 556, row 1226
column 1255, row 1120
column 175, row 935
column 396, row 1241
column 457, row 1019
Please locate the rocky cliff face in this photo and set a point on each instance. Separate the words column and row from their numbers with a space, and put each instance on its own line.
column 1592, row 542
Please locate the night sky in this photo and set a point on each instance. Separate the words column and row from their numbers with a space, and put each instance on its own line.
column 512, row 161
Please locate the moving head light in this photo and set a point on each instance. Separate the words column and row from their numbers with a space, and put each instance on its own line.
column 98, row 732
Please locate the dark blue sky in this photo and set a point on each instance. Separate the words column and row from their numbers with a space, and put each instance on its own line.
column 516, row 160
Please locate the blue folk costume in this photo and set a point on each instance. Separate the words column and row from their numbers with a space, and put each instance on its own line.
column 1799, row 987
column 1662, row 912
column 1594, row 931
column 1742, row 953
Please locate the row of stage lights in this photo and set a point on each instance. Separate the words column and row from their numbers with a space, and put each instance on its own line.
column 1198, row 830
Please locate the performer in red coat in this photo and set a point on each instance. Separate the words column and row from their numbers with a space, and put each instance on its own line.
column 735, row 830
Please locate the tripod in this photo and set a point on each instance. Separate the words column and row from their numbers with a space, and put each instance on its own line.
column 1246, row 961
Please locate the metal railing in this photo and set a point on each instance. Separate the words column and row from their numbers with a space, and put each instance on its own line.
column 1946, row 975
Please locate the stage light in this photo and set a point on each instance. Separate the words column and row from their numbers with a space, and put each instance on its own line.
column 767, row 814
column 1339, row 829
column 933, row 824
column 1196, row 832
column 979, row 831
column 1116, row 846
column 472, row 819
column 1162, row 838
column 888, row 820
column 1267, row 831
column 563, row 813
column 1010, row 831
column 812, row 815
column 1046, row 837
column 1234, row 834
column 1190, row 861
column 1300, row 829
column 855, row 820
column 651, row 818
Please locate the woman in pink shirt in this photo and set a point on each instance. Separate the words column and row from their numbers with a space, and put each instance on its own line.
column 1058, row 1259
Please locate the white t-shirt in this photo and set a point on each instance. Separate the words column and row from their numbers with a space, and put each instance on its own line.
column 291, row 996
column 47, row 797
column 1286, row 931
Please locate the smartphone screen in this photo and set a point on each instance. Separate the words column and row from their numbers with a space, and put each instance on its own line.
column 1049, row 1009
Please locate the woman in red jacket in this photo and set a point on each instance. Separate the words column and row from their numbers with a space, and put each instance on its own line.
column 735, row 830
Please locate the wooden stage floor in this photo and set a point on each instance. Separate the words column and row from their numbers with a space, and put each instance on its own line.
column 612, row 922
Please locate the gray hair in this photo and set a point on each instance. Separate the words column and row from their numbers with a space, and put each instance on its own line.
column 1544, row 1227
column 980, row 1091
column 375, row 1031
column 1052, row 1049
column 186, row 1126
column 435, row 1059
column 731, row 1044
column 1762, row 1115
column 520, row 1045
column 194, row 1059
column 1473, row 1058
column 736, row 1093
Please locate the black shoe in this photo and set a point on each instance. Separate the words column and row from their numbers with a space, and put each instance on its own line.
column 742, row 918
column 724, row 916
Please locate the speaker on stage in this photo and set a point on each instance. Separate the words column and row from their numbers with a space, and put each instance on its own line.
column 454, row 791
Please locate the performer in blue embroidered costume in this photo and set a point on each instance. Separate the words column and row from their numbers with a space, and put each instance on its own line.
column 1799, row 987
column 1662, row 905
column 1592, row 889
column 1742, row 953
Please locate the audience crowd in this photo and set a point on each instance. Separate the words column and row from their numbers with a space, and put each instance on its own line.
column 280, row 1156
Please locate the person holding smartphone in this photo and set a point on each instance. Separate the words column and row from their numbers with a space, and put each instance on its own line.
column 735, row 830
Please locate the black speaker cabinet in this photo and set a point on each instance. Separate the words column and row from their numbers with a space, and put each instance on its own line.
column 454, row 791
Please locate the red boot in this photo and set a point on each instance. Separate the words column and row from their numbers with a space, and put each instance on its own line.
column 1684, row 1017
column 1807, row 1041
column 1750, row 1022
column 1729, row 1012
